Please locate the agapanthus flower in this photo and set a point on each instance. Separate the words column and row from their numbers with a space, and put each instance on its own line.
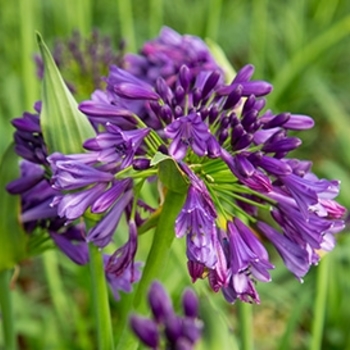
column 234, row 155
column 173, row 99
column 166, row 329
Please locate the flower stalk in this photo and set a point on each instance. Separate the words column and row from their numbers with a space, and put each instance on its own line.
column 100, row 300
column 246, row 326
column 7, row 315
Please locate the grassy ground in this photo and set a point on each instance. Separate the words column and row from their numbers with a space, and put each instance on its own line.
column 302, row 47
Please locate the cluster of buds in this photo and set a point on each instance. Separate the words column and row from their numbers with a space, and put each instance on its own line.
column 165, row 329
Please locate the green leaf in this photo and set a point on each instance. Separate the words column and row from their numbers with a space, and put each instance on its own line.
column 221, row 59
column 64, row 127
column 170, row 173
column 13, row 239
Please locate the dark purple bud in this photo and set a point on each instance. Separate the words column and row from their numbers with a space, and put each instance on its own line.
column 146, row 330
column 257, row 88
column 173, row 328
column 196, row 96
column 141, row 163
column 28, row 123
column 179, row 94
column 135, row 92
column 155, row 107
column 204, row 111
column 233, row 97
column 214, row 149
column 274, row 166
column 249, row 104
column 192, row 329
column 260, row 104
column 159, row 302
column 31, row 175
column 249, row 118
column 213, row 114
column 285, row 145
column 244, row 74
column 278, row 120
column 185, row 77
column 243, row 142
column 210, row 83
column 164, row 90
column 166, row 114
column 190, row 303
column 223, row 135
column 225, row 122
column 236, row 133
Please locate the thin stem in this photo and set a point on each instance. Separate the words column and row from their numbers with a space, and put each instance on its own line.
column 7, row 316
column 246, row 326
column 320, row 304
column 155, row 264
column 100, row 298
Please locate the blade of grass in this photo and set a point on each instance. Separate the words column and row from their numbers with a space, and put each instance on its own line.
column 127, row 24
column 30, row 83
column 7, row 316
column 155, row 17
column 294, row 318
column 306, row 55
column 320, row 304
column 213, row 19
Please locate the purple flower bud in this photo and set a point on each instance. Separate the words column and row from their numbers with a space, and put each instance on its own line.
column 277, row 120
column 146, row 330
column 173, row 328
column 285, row 145
column 210, row 83
column 135, row 92
column 185, row 77
column 299, row 122
column 233, row 98
column 159, row 302
column 190, row 303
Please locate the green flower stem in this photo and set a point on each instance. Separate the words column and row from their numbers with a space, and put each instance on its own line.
column 100, row 299
column 320, row 304
column 246, row 326
column 7, row 317
column 162, row 240
column 156, row 262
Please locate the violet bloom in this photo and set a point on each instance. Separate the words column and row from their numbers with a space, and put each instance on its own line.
column 234, row 157
column 166, row 328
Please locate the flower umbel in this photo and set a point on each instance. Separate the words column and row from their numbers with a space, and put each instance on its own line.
column 172, row 102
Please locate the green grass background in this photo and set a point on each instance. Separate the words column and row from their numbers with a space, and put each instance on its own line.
column 303, row 48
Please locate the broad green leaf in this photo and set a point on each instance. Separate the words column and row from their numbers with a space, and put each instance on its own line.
column 13, row 239
column 169, row 173
column 64, row 127
column 221, row 60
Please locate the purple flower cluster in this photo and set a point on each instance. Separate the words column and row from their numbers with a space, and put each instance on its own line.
column 172, row 99
column 167, row 330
